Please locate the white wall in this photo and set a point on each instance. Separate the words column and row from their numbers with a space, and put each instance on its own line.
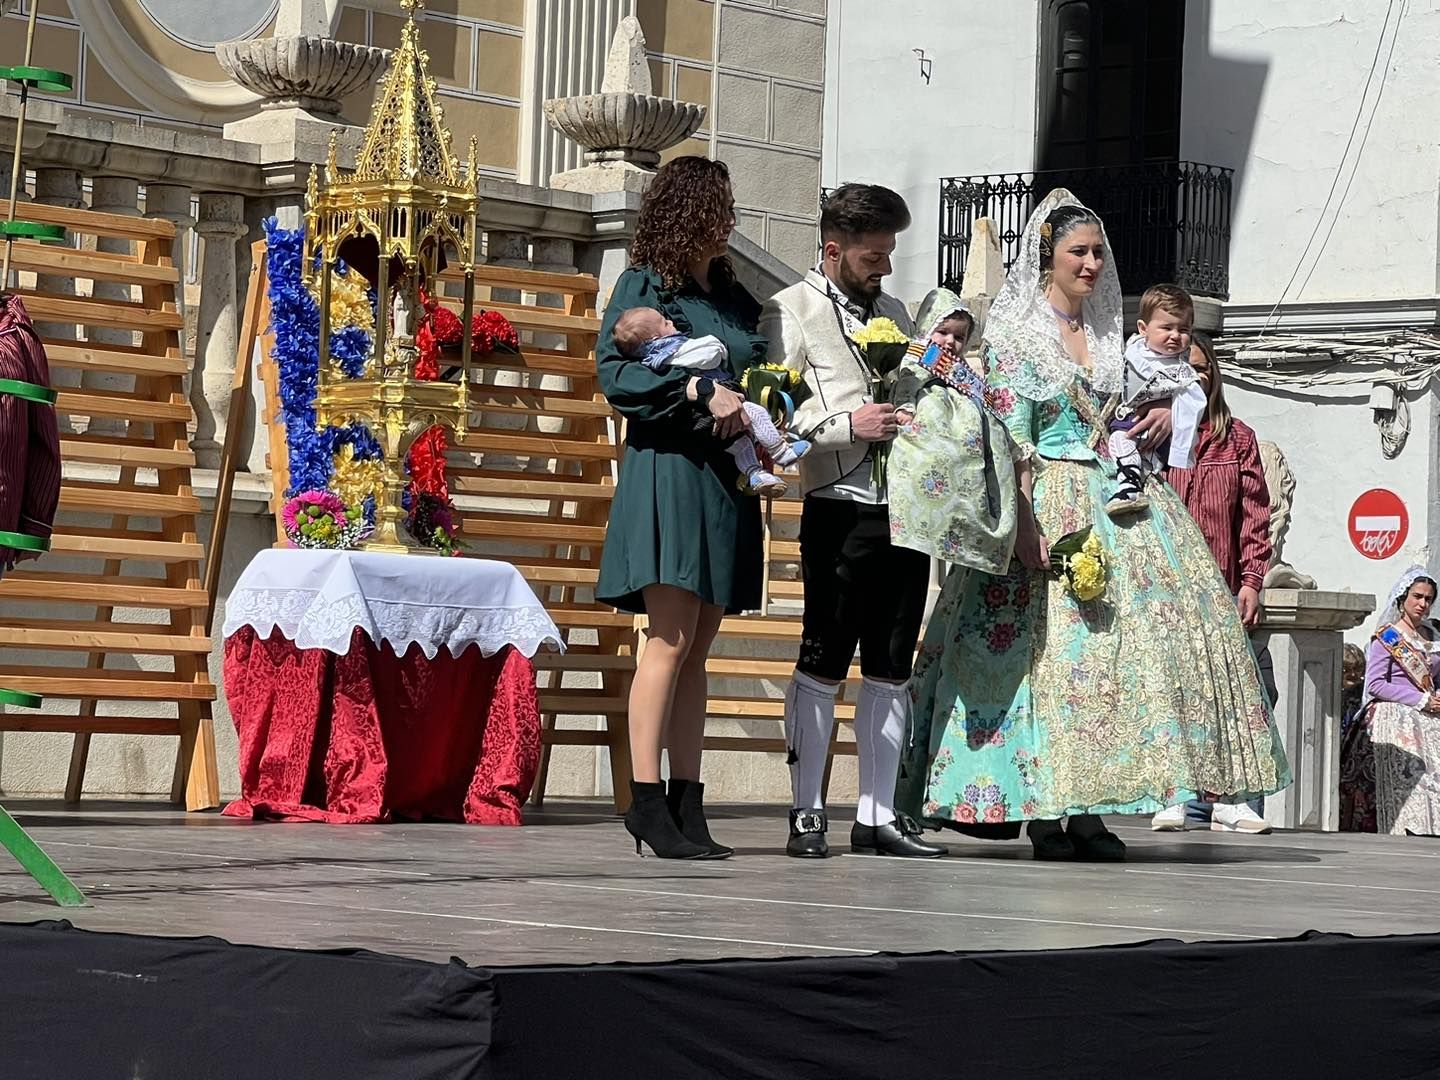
column 1273, row 90
column 1333, row 447
column 885, row 125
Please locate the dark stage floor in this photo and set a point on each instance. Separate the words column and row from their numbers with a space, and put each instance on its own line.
column 568, row 888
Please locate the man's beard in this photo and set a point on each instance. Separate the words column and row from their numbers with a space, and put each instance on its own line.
column 859, row 289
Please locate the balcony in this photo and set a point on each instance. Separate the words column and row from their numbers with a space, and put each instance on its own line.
column 1166, row 220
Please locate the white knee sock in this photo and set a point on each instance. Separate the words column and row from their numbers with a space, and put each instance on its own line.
column 880, row 715
column 809, row 720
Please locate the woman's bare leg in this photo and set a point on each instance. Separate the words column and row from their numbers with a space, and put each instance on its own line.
column 672, row 614
column 685, row 733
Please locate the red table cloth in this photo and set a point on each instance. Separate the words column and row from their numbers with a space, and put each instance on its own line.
column 366, row 736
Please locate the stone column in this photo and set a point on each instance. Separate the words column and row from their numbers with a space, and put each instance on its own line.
column 554, row 255
column 504, row 248
column 112, row 195
column 220, row 225
column 172, row 202
column 61, row 187
column 1304, row 632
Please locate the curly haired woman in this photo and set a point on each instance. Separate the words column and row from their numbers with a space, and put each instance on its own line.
column 683, row 545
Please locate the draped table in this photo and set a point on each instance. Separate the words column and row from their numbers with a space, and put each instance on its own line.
column 366, row 686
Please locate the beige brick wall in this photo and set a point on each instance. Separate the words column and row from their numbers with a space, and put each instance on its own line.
column 759, row 65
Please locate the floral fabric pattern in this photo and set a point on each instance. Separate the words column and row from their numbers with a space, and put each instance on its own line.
column 947, row 497
column 1406, row 749
column 1029, row 704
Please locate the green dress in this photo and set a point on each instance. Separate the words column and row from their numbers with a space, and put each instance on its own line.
column 1030, row 704
column 678, row 516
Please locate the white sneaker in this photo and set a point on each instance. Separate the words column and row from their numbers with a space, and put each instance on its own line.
column 1169, row 820
column 1241, row 818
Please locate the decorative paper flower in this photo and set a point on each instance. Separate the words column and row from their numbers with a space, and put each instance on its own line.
column 432, row 523
column 495, row 330
column 427, row 364
column 356, row 479
column 318, row 519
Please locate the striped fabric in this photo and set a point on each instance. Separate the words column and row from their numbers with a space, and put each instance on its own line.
column 1226, row 495
column 29, row 438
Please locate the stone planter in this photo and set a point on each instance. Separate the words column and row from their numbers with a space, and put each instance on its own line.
column 624, row 126
column 311, row 73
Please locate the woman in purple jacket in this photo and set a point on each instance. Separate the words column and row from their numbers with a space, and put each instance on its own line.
column 1390, row 759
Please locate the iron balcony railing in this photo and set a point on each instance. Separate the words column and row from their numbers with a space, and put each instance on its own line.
column 1166, row 220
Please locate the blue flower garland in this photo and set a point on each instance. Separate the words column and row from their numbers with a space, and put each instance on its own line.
column 295, row 324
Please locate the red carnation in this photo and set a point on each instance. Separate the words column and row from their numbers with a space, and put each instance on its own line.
column 427, row 366
column 496, row 329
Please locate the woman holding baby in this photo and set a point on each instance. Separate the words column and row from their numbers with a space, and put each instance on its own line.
column 684, row 543
column 1031, row 704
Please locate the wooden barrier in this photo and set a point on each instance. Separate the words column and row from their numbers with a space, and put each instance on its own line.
column 126, row 505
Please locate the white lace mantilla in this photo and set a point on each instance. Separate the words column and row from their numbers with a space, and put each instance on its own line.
column 318, row 598
column 1023, row 333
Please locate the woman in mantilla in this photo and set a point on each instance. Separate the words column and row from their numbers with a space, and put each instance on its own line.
column 1031, row 705
column 1390, row 756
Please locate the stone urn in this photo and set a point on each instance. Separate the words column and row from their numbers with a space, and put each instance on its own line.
column 624, row 128
column 314, row 74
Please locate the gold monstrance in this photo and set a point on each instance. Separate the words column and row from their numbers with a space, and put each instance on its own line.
column 398, row 218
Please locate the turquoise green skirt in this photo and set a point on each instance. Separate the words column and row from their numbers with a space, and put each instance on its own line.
column 1031, row 705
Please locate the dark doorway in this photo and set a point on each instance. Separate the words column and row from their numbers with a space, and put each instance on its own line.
column 1109, row 82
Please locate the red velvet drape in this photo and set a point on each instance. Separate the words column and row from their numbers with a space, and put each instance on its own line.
column 369, row 735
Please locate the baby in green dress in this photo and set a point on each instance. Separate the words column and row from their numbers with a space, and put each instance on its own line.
column 645, row 334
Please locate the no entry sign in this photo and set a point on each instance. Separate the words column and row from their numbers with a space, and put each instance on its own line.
column 1379, row 523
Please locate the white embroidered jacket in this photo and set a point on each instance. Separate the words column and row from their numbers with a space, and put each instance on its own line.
column 805, row 335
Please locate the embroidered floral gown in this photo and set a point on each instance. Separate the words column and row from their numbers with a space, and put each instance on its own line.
column 1029, row 704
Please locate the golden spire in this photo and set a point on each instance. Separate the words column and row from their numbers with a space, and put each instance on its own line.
column 406, row 140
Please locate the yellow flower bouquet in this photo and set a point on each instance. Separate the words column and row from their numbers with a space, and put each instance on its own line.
column 1080, row 559
column 883, row 345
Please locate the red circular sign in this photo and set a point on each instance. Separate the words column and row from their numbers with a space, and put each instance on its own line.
column 1378, row 523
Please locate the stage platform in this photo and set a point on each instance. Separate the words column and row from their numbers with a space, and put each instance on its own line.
column 568, row 888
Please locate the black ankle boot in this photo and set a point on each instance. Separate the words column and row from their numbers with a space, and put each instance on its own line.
column 649, row 819
column 1049, row 840
column 1092, row 841
column 686, row 800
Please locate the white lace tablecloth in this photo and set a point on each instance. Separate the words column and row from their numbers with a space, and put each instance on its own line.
column 318, row 598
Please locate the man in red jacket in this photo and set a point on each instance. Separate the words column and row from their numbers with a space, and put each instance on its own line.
column 29, row 436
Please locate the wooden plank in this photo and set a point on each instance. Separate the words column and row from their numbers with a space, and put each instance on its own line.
column 541, row 281
column 119, row 452
column 535, row 446
column 86, row 357
column 92, row 312
column 140, row 550
column 99, row 499
column 596, row 619
column 767, row 746
column 92, row 725
column 92, row 223
column 551, row 320
column 523, row 403
column 125, row 406
column 559, row 575
column 34, row 634
column 86, row 588
column 539, row 529
column 89, row 265
column 542, row 361
column 540, row 486
column 103, row 685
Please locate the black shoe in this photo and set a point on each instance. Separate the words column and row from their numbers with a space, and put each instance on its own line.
column 649, row 820
column 1049, row 841
column 686, row 799
column 900, row 838
column 983, row 830
column 807, row 834
column 1092, row 841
